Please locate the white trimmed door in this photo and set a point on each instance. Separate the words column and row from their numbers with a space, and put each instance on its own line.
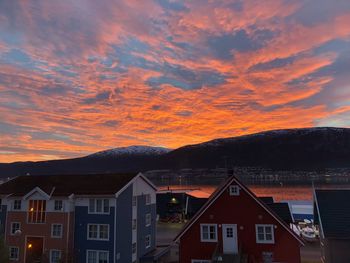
column 229, row 239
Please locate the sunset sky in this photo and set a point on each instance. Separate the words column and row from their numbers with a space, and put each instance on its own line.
column 80, row 76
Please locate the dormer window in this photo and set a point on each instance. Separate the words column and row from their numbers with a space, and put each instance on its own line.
column 37, row 211
column 234, row 190
column 58, row 205
column 17, row 204
column 98, row 206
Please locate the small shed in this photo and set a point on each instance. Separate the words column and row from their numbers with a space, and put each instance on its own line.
column 332, row 214
column 176, row 205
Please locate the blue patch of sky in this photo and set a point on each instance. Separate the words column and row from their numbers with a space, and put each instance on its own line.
column 222, row 46
column 313, row 13
column 184, row 78
column 99, row 97
column 276, row 63
column 11, row 38
column 172, row 5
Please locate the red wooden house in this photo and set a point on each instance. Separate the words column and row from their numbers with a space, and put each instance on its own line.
column 234, row 223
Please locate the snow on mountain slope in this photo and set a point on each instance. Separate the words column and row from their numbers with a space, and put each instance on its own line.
column 132, row 150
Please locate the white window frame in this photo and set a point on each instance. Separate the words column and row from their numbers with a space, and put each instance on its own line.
column 265, row 241
column 16, row 248
column 97, row 254
column 52, row 228
column 54, row 205
column 20, row 205
column 95, row 200
column 134, row 200
column 134, row 248
column 148, row 199
column 19, row 227
column 209, row 239
column 234, row 190
column 200, row 261
column 148, row 241
column 36, row 211
column 55, row 250
column 148, row 219
column 98, row 232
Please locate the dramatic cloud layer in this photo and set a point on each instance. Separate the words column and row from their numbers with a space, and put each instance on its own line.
column 78, row 76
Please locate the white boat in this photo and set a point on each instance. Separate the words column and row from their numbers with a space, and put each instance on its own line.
column 308, row 234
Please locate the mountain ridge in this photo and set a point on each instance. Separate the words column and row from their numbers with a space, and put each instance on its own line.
column 300, row 148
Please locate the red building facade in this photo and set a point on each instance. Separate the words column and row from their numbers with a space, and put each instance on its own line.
column 235, row 222
column 38, row 226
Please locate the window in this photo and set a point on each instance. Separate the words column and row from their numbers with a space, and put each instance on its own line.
column 17, row 204
column 55, row 256
column 234, row 190
column 134, row 225
column 134, row 248
column 58, row 205
column 208, row 232
column 200, row 261
column 229, row 232
column 148, row 241
column 14, row 253
column 134, row 200
column 148, row 219
column 97, row 256
column 264, row 234
column 56, row 230
column 15, row 226
column 98, row 232
column 36, row 211
column 99, row 206
column 148, row 199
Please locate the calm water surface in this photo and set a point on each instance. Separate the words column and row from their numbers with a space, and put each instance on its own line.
column 279, row 192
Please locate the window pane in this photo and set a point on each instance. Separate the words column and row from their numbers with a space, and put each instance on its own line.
column 92, row 257
column 92, row 231
column 103, row 257
column 92, row 205
column 104, row 231
column 268, row 236
column 260, row 236
column 106, row 206
column 205, row 232
column 98, row 205
column 212, row 232
column 268, row 229
column 260, row 229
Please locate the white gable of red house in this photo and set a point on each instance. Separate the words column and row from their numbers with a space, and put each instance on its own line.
column 235, row 221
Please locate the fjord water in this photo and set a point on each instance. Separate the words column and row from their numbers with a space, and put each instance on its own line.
column 280, row 191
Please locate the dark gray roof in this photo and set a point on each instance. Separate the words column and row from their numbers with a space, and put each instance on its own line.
column 334, row 211
column 282, row 210
column 267, row 199
column 64, row 185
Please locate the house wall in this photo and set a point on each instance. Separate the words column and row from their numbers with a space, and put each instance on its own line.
column 336, row 251
column 142, row 229
column 246, row 213
column 140, row 189
column 38, row 230
column 123, row 222
column 3, row 212
column 81, row 243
